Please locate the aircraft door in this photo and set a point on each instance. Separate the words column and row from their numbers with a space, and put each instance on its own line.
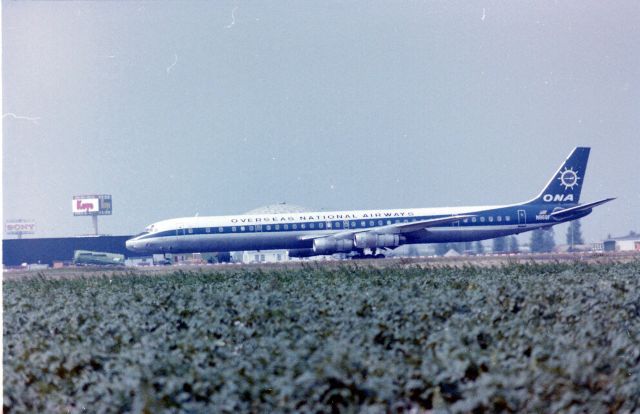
column 345, row 224
column 259, row 228
column 522, row 218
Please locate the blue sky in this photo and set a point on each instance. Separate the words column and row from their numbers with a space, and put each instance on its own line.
column 184, row 108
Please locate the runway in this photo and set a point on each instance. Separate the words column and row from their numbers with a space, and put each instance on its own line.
column 74, row 272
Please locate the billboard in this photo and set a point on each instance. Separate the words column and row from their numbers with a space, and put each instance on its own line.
column 20, row 227
column 91, row 205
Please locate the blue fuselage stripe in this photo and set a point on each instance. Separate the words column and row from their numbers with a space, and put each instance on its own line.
column 487, row 218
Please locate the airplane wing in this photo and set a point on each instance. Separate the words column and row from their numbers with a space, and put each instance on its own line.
column 396, row 228
column 568, row 211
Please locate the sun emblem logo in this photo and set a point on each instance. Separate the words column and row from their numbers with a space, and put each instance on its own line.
column 568, row 178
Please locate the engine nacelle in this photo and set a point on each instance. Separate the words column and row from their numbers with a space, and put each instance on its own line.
column 329, row 245
column 374, row 241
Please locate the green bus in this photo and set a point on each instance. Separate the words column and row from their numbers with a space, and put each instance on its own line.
column 86, row 257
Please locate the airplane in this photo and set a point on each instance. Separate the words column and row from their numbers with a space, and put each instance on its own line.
column 372, row 233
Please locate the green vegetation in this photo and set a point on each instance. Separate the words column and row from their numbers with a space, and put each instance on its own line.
column 542, row 240
column 574, row 233
column 499, row 245
column 534, row 338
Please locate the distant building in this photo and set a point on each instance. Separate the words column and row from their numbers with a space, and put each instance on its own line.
column 451, row 253
column 623, row 244
column 412, row 250
column 566, row 248
column 265, row 256
column 139, row 261
column 60, row 249
column 524, row 248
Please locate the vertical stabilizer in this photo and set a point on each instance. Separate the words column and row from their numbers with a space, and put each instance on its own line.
column 565, row 185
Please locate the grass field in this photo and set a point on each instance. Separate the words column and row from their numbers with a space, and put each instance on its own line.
column 555, row 337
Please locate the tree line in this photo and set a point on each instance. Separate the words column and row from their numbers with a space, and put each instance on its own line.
column 542, row 241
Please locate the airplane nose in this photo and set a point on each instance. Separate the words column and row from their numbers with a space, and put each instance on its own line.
column 130, row 245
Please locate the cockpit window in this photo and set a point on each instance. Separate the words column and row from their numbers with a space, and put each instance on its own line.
column 147, row 230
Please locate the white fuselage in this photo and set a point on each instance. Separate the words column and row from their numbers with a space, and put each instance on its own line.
column 295, row 230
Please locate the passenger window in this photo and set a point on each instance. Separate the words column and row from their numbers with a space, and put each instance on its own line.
column 311, row 225
column 507, row 218
column 233, row 228
column 220, row 229
column 268, row 228
column 302, row 226
column 294, row 226
column 337, row 225
column 371, row 223
column 490, row 219
column 482, row 219
column 251, row 228
column 190, row 231
column 379, row 222
column 242, row 228
column 277, row 227
column 465, row 220
column 320, row 225
column 473, row 219
column 499, row 218
column 286, row 227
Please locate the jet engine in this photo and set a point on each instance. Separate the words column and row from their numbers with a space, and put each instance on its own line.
column 375, row 241
column 330, row 245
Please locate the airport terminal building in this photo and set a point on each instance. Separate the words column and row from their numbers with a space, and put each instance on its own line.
column 49, row 251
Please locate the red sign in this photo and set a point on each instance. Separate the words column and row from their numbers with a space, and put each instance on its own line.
column 91, row 205
column 80, row 205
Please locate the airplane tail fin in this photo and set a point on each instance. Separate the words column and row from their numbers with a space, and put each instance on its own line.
column 565, row 185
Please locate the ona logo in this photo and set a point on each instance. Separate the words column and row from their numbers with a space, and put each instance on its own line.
column 568, row 178
column 557, row 197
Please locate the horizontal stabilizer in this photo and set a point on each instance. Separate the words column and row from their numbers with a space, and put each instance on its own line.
column 572, row 210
